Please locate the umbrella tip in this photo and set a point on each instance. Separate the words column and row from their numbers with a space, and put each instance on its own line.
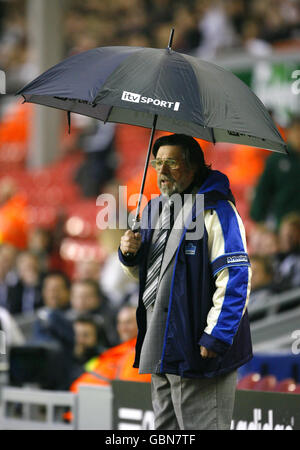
column 171, row 39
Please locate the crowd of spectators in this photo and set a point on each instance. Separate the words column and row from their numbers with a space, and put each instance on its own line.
column 71, row 318
column 275, row 262
column 204, row 28
column 275, row 208
column 76, row 318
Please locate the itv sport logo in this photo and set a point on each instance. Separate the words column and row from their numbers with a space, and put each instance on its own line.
column 133, row 97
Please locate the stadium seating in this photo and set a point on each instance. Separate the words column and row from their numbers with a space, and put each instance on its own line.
column 249, row 381
column 286, row 385
column 266, row 383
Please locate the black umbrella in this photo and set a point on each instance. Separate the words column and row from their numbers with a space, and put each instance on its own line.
column 158, row 89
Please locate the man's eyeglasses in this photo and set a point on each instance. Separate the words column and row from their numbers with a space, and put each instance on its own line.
column 170, row 163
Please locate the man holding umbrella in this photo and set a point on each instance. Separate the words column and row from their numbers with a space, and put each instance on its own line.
column 192, row 317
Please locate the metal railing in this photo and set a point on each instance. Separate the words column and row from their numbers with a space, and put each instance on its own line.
column 273, row 303
column 274, row 330
column 33, row 409
column 36, row 409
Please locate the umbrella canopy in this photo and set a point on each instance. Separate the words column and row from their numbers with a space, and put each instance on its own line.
column 135, row 85
column 158, row 89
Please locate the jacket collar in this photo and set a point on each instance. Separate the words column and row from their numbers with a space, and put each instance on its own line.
column 215, row 187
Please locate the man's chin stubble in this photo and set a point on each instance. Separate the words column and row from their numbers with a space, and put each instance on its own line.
column 168, row 192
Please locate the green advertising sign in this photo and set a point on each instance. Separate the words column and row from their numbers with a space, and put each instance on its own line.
column 277, row 85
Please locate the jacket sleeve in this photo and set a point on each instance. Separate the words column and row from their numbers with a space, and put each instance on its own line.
column 129, row 265
column 232, row 275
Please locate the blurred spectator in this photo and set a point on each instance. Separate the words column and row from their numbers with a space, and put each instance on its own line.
column 277, row 24
column 13, row 333
column 51, row 341
column 25, row 296
column 13, row 43
column 100, row 162
column 261, row 281
column 116, row 363
column 8, row 277
column 287, row 273
column 87, row 270
column 188, row 35
column 115, row 284
column 87, row 345
column 251, row 35
column 52, row 325
column 13, row 214
column 263, row 241
column 289, row 233
column 213, row 17
column 159, row 10
column 40, row 244
column 87, row 298
column 237, row 11
column 277, row 192
column 126, row 323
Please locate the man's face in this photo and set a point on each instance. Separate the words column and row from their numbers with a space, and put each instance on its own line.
column 259, row 275
column 55, row 292
column 169, row 180
column 7, row 259
column 289, row 237
column 85, row 335
column 126, row 324
column 88, row 270
column 84, row 298
column 27, row 266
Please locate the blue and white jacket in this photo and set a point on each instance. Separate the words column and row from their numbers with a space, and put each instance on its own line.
column 209, row 291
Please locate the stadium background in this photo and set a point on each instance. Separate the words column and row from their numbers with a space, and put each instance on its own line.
column 50, row 179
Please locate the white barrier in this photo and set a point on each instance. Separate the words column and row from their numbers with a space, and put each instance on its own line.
column 94, row 408
column 34, row 409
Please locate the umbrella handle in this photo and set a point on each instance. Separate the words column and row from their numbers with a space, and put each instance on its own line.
column 136, row 222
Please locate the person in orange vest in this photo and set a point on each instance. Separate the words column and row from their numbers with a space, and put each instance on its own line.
column 13, row 214
column 116, row 362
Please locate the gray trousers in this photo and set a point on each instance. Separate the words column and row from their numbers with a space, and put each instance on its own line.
column 193, row 404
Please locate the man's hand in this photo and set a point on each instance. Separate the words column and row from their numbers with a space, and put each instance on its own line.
column 130, row 242
column 205, row 353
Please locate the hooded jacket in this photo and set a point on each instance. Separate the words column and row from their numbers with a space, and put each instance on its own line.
column 209, row 290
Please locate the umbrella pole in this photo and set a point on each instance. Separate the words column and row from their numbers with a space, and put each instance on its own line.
column 135, row 225
column 171, row 38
